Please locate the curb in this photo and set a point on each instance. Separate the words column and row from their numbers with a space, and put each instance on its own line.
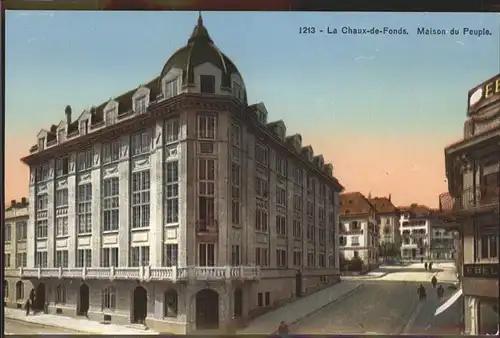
column 359, row 286
column 49, row 326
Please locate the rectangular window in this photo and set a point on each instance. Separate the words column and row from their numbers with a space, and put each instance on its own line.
column 489, row 246
column 322, row 235
column 110, row 117
column 207, row 84
column 235, row 212
column 321, row 214
column 260, row 299
column 297, row 229
column 321, row 261
column 262, row 257
column 21, row 260
column 111, row 151
column 310, row 260
column 41, row 229
column 42, row 202
column 83, row 258
column 139, row 256
column 297, row 203
column 172, row 130
column 111, row 204
column 141, row 142
column 280, row 196
column 207, row 127
column 261, row 188
column 61, row 259
column 7, row 231
column 61, row 198
column 41, row 259
column 235, row 180
column 206, row 192
column 281, row 225
column 281, row 258
column 21, row 231
column 61, row 226
column 236, row 135
column 109, row 257
column 311, row 232
column 170, row 254
column 298, row 176
column 261, row 220
column 41, row 143
column 61, row 135
column 235, row 255
column 267, row 298
column 281, row 166
column 42, row 172
column 6, row 260
column 84, row 208
column 261, row 154
column 141, row 182
column 310, row 209
column 206, row 254
column 84, row 127
column 85, row 159
column 172, row 88
column 297, row 258
column 355, row 240
column 108, row 298
column 62, row 166
column 140, row 105
column 172, row 192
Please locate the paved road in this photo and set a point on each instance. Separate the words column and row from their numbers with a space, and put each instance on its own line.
column 377, row 307
column 19, row 327
column 424, row 321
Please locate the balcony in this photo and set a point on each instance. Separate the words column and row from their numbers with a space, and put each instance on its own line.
column 478, row 199
column 207, row 227
column 146, row 273
column 357, row 231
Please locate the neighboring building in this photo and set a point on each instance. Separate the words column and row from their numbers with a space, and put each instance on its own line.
column 472, row 169
column 16, row 291
column 442, row 245
column 414, row 227
column 177, row 204
column 388, row 219
column 358, row 229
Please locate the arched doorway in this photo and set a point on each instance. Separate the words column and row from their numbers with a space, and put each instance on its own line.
column 238, row 303
column 84, row 300
column 140, row 305
column 207, row 309
column 40, row 297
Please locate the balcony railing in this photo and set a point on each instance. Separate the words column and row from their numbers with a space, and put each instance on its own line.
column 147, row 273
column 477, row 198
column 352, row 231
column 206, row 226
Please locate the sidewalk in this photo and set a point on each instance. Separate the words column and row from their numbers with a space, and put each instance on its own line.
column 75, row 324
column 299, row 309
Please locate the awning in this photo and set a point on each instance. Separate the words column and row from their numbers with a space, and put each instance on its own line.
column 449, row 302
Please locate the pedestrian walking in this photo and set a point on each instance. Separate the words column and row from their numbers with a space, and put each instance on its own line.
column 425, row 266
column 430, row 266
column 283, row 329
column 421, row 292
column 434, row 281
column 27, row 306
column 440, row 292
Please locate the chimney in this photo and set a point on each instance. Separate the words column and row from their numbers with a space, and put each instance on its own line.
column 390, row 198
column 23, row 200
column 67, row 111
column 12, row 203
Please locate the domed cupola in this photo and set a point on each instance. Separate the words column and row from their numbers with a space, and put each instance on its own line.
column 200, row 49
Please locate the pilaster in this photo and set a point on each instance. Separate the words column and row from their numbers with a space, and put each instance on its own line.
column 272, row 234
column 51, row 243
column 248, row 189
column 30, row 231
column 186, row 232
column 72, row 218
column 156, row 198
column 124, row 186
column 223, row 192
column 96, row 206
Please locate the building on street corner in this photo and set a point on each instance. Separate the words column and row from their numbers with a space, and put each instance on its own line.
column 358, row 229
column 178, row 205
column 15, row 229
column 472, row 169
column 415, row 229
column 388, row 219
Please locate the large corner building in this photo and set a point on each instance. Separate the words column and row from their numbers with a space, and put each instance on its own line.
column 472, row 168
column 178, row 205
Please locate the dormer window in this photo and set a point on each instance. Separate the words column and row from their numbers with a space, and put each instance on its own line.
column 238, row 91
column 110, row 117
column 84, row 127
column 172, row 88
column 41, row 143
column 207, row 84
column 140, row 105
column 61, row 135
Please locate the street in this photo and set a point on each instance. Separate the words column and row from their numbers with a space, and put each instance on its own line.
column 19, row 327
column 382, row 308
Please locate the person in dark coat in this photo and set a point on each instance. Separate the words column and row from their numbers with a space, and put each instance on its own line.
column 27, row 306
column 434, row 281
column 421, row 292
column 425, row 266
column 440, row 292
column 283, row 329
column 430, row 266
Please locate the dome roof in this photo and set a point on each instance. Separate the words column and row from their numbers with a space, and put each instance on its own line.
column 200, row 49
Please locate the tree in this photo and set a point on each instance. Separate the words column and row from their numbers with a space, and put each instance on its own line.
column 389, row 250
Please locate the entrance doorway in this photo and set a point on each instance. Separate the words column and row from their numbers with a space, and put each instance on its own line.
column 40, row 297
column 238, row 303
column 140, row 305
column 84, row 300
column 413, row 253
column 298, row 284
column 207, row 309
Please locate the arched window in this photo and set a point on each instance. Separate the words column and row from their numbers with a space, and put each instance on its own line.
column 5, row 289
column 20, row 291
column 170, row 303
column 60, row 294
column 108, row 298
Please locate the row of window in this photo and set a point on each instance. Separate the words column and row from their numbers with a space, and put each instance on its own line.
column 354, row 241
column 21, row 260
column 21, row 231
column 140, row 144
